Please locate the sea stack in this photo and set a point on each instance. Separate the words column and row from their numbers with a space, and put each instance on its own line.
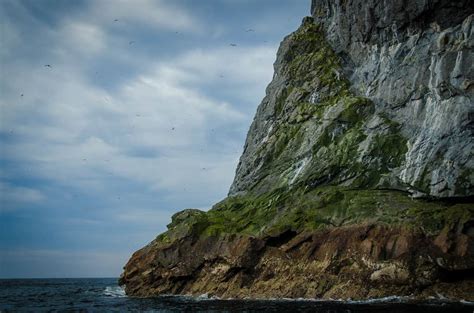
column 356, row 179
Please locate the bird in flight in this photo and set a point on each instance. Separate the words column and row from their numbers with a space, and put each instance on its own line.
column 233, row 45
column 48, row 65
column 116, row 20
column 131, row 42
column 249, row 30
column 172, row 128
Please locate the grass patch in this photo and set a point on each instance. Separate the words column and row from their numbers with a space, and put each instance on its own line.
column 302, row 209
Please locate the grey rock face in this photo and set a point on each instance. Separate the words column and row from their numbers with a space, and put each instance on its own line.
column 415, row 61
column 311, row 130
column 383, row 99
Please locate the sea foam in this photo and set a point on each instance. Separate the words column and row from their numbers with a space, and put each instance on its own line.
column 114, row 291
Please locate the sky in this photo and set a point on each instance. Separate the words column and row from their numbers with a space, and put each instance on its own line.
column 116, row 114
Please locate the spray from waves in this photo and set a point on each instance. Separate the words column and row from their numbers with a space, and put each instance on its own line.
column 114, row 291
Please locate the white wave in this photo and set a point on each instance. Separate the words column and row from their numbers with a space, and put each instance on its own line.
column 206, row 296
column 388, row 299
column 381, row 300
column 467, row 302
column 114, row 291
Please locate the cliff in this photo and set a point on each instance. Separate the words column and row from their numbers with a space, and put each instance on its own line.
column 356, row 178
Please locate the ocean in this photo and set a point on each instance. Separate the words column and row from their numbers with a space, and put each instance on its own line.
column 104, row 295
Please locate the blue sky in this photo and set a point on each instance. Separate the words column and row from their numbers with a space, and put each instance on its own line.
column 143, row 112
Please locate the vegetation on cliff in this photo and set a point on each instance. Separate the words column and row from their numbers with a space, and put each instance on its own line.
column 304, row 209
column 321, row 132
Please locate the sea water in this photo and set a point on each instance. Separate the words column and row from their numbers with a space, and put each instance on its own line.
column 104, row 295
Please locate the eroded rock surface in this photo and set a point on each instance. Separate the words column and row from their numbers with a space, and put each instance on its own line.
column 363, row 261
column 328, row 242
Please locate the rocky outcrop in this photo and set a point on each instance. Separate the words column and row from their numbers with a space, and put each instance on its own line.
column 415, row 65
column 328, row 242
column 357, row 262
column 356, row 178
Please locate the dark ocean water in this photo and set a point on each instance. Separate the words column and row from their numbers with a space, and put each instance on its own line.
column 104, row 295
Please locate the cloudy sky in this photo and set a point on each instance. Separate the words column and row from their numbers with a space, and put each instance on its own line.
column 116, row 114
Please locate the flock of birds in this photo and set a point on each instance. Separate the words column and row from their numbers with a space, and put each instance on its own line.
column 138, row 115
column 131, row 42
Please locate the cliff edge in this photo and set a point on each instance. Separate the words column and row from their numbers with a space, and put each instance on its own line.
column 356, row 179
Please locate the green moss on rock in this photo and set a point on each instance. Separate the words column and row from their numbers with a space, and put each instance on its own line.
column 337, row 184
column 328, row 129
column 302, row 209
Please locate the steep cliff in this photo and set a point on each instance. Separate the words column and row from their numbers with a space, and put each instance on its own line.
column 356, row 178
column 412, row 60
column 415, row 61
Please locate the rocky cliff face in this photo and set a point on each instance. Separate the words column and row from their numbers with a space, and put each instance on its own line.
column 386, row 101
column 356, row 178
column 415, row 61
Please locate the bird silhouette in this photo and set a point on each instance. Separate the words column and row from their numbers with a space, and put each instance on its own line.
column 116, row 20
column 250, row 30
column 48, row 65
column 172, row 128
column 21, row 95
column 233, row 45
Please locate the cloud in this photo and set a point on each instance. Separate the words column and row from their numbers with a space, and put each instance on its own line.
column 10, row 37
column 103, row 147
column 87, row 38
column 155, row 130
column 11, row 197
column 239, row 68
column 148, row 13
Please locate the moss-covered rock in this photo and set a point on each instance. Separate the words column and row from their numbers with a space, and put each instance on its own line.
column 324, row 243
column 303, row 209
column 316, row 130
